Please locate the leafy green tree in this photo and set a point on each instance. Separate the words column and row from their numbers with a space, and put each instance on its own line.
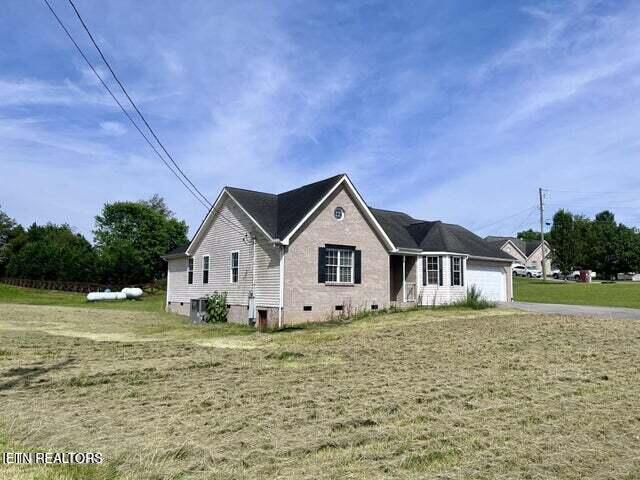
column 584, row 238
column 528, row 235
column 628, row 249
column 604, row 246
column 7, row 227
column 563, row 241
column 52, row 252
column 131, row 237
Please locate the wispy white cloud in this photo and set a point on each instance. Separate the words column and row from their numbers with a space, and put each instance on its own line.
column 113, row 128
column 446, row 119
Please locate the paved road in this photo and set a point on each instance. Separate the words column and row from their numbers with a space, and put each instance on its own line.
column 579, row 310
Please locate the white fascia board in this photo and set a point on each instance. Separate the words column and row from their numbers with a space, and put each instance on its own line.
column 451, row 254
column 493, row 259
column 524, row 255
column 271, row 239
column 173, row 256
column 211, row 214
column 359, row 200
column 200, row 230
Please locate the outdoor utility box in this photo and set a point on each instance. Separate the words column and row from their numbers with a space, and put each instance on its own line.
column 585, row 276
column 251, row 314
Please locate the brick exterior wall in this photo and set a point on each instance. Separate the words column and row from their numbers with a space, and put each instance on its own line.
column 301, row 285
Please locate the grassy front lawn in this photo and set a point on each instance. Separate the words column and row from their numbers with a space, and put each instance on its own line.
column 33, row 296
column 423, row 394
column 620, row 294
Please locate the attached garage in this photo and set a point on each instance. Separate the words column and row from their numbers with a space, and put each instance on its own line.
column 490, row 278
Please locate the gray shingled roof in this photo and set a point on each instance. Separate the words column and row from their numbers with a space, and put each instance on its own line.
column 278, row 214
column 434, row 236
column 178, row 250
column 526, row 246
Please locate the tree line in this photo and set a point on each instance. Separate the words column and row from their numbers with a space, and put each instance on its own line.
column 600, row 244
column 129, row 239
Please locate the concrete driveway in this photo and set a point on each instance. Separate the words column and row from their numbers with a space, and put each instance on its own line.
column 577, row 310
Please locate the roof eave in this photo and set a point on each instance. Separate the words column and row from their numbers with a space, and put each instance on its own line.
column 495, row 259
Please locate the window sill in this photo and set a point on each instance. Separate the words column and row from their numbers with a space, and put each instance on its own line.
column 339, row 284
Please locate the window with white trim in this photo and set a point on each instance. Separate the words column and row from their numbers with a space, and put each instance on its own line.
column 235, row 266
column 205, row 269
column 432, row 271
column 190, row 271
column 339, row 265
column 338, row 213
column 456, row 271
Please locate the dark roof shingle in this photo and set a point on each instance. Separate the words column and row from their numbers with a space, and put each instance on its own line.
column 434, row 236
column 279, row 214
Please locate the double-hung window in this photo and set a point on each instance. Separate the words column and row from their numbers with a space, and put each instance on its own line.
column 457, row 278
column 339, row 265
column 432, row 270
column 235, row 266
column 205, row 269
column 190, row 271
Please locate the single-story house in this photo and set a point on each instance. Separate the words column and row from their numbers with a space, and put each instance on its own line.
column 320, row 251
column 526, row 252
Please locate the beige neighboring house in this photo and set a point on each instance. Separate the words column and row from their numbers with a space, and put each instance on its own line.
column 526, row 252
column 320, row 251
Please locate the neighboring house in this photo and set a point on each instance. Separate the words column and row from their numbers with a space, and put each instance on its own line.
column 526, row 252
column 319, row 251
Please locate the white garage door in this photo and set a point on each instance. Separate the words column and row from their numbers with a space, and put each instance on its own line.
column 491, row 281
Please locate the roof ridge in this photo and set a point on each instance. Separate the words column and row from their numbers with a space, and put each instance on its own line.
column 249, row 190
column 312, row 183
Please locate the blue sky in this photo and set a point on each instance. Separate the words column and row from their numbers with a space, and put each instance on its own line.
column 456, row 111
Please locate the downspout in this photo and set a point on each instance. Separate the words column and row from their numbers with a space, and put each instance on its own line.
column 253, row 267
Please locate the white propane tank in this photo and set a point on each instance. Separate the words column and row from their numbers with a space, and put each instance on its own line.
column 96, row 296
column 132, row 292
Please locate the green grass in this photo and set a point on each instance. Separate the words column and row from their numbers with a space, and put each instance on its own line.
column 444, row 393
column 32, row 296
column 619, row 294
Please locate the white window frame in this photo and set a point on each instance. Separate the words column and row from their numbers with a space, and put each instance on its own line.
column 208, row 266
column 437, row 270
column 338, row 265
column 342, row 213
column 190, row 268
column 237, row 267
column 459, row 272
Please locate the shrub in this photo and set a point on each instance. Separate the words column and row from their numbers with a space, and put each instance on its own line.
column 217, row 307
column 474, row 300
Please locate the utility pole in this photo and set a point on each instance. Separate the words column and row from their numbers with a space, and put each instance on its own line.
column 544, row 263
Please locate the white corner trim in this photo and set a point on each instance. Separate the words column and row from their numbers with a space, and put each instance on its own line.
column 363, row 206
column 281, row 292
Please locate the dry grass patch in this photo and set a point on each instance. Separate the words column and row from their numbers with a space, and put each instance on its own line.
column 448, row 394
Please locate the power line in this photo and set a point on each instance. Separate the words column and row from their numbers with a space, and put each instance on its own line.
column 587, row 192
column 118, row 102
column 528, row 209
column 204, row 202
column 84, row 25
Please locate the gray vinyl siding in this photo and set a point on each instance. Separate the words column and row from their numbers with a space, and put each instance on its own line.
column 224, row 235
